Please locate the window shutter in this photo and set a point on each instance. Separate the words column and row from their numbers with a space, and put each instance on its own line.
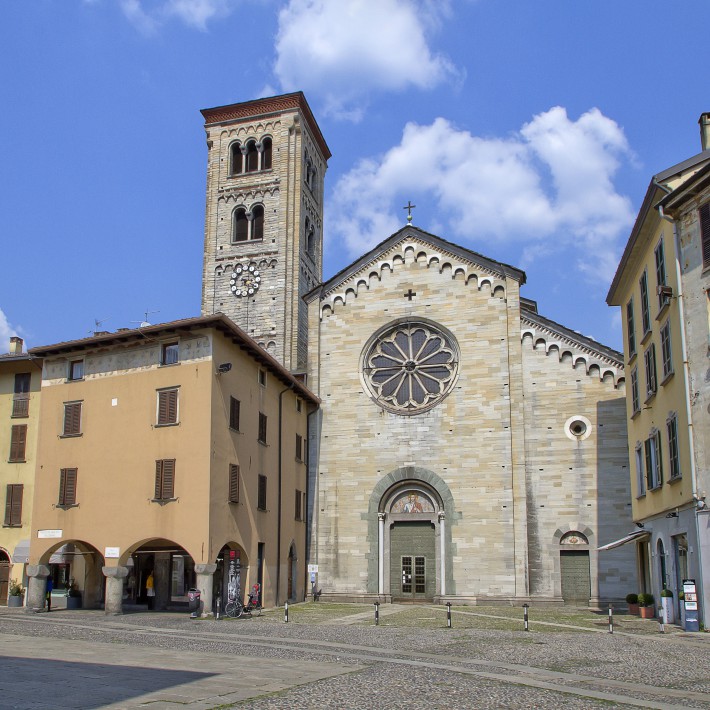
column 234, row 413
column 158, row 480
column 261, row 498
column 167, row 406
column 16, row 508
column 262, row 427
column 705, row 232
column 8, row 504
column 168, row 478
column 72, row 418
column 17, row 442
column 233, row 483
column 67, row 486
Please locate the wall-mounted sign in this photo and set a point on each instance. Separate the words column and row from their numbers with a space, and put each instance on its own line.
column 112, row 553
column 313, row 568
column 49, row 533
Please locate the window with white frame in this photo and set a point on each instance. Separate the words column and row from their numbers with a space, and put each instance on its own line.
column 630, row 333
column 640, row 473
column 635, row 403
column 673, row 452
column 663, row 292
column 666, row 352
column 654, row 468
column 645, row 311
column 649, row 359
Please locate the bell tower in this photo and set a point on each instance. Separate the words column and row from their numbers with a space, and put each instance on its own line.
column 264, row 220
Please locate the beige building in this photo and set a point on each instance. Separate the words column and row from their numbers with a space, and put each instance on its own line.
column 20, row 377
column 663, row 300
column 174, row 452
column 469, row 449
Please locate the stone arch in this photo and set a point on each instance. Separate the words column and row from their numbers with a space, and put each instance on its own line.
column 563, row 540
column 383, row 492
column 499, row 291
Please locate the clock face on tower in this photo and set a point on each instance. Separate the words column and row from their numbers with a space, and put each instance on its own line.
column 245, row 280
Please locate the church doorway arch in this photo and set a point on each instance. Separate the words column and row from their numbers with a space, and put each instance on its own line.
column 574, row 569
column 412, row 517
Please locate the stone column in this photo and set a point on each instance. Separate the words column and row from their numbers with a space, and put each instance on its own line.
column 442, row 551
column 381, row 553
column 205, row 581
column 114, row 589
column 36, row 587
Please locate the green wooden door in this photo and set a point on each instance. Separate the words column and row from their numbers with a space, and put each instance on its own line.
column 574, row 568
column 412, row 560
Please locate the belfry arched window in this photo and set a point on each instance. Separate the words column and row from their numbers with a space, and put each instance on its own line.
column 248, row 226
column 236, row 159
column 410, row 366
column 266, row 153
column 310, row 238
column 251, row 157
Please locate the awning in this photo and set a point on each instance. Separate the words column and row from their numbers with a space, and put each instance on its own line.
column 22, row 552
column 637, row 536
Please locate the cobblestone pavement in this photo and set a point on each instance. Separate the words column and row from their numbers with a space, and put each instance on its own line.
column 88, row 660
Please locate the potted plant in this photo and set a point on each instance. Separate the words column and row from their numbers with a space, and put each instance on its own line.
column 667, row 606
column 73, row 596
column 15, row 591
column 646, row 606
column 632, row 601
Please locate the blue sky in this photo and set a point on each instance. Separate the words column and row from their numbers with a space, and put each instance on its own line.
column 527, row 131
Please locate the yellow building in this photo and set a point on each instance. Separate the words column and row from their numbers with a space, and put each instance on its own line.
column 174, row 453
column 648, row 288
column 20, row 377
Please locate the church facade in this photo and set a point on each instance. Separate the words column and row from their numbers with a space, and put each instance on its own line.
column 467, row 449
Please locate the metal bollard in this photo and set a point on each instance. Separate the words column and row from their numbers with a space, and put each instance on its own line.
column 219, row 606
column 611, row 619
column 448, row 614
column 377, row 613
column 661, row 628
column 286, row 613
column 525, row 618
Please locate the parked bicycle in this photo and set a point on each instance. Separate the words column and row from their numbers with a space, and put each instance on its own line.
column 236, row 608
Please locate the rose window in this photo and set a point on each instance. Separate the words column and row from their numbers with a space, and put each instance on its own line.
column 410, row 367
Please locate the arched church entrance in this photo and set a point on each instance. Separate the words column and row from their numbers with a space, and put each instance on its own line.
column 411, row 511
column 574, row 569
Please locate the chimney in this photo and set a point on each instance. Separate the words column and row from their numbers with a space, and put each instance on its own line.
column 704, row 122
column 16, row 345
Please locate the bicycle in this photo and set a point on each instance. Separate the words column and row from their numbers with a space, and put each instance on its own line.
column 235, row 608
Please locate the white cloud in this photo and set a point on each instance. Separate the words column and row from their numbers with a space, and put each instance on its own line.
column 193, row 13
column 342, row 50
column 548, row 186
column 6, row 331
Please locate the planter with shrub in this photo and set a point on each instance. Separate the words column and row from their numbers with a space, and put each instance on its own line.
column 16, row 593
column 667, row 606
column 632, row 601
column 647, row 607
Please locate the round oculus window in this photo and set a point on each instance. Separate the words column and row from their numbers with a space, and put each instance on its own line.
column 578, row 427
column 410, row 367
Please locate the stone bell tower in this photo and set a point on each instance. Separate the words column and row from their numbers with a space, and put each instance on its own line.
column 264, row 219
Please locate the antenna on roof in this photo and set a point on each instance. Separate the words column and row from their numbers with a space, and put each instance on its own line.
column 97, row 325
column 144, row 323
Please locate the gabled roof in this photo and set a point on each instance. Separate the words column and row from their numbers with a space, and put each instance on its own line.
column 410, row 232
column 655, row 192
column 687, row 191
column 218, row 321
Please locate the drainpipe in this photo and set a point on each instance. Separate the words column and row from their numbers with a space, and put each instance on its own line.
column 278, row 524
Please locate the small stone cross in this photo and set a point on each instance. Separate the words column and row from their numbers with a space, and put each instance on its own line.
column 410, row 294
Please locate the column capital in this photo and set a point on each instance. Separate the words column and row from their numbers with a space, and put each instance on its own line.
column 116, row 572
column 37, row 571
column 205, row 568
column 442, row 515
column 381, row 516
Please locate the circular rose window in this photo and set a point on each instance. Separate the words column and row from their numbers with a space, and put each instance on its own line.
column 410, row 367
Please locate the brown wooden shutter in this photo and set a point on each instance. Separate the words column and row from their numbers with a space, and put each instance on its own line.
column 233, row 483
column 705, row 233
column 67, row 486
column 261, row 498
column 262, row 427
column 169, row 478
column 234, row 413
column 16, row 507
column 167, row 406
column 18, row 441
column 72, row 418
